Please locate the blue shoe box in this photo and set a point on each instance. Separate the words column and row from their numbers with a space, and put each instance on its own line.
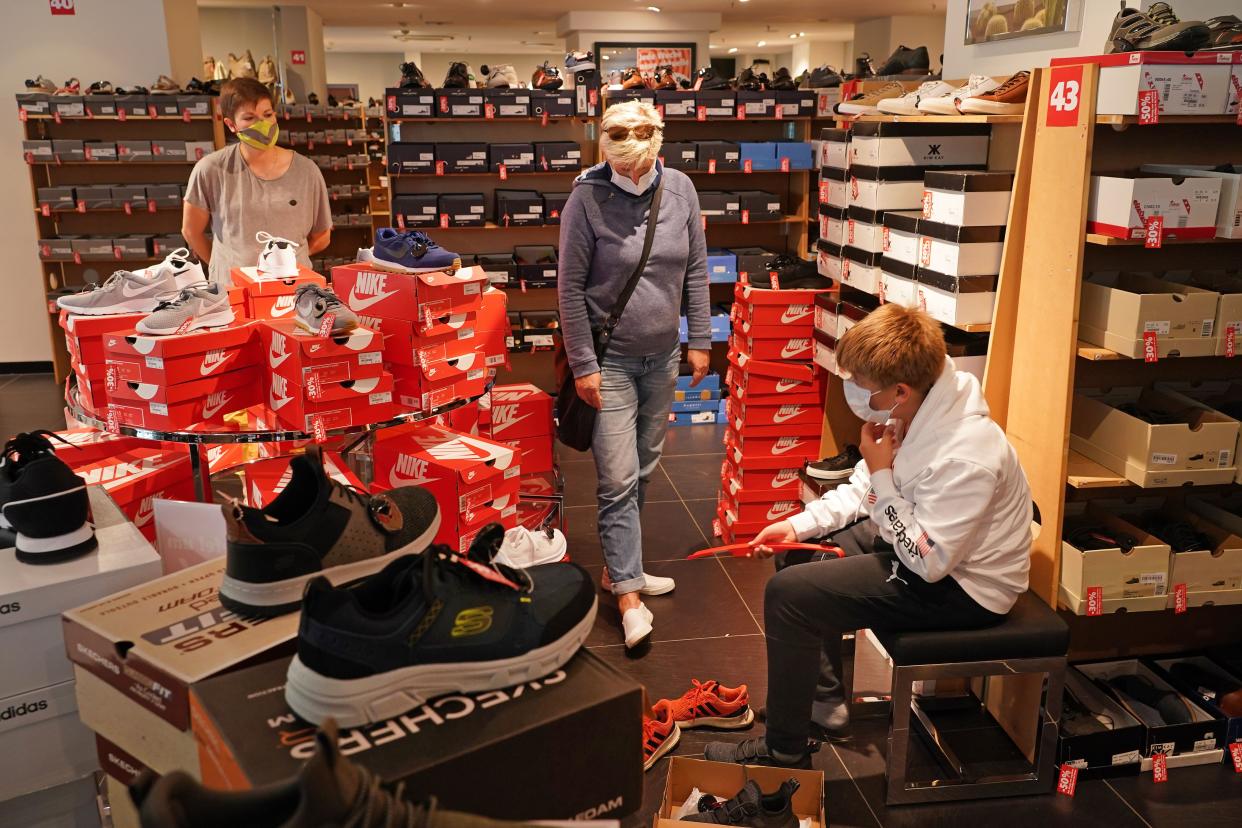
column 798, row 152
column 721, row 327
column 761, row 155
column 721, row 265
column 695, row 406
column 711, row 382
column 693, row 418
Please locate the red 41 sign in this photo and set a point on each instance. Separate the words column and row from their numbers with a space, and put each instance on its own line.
column 62, row 6
column 297, row 56
column 1064, row 96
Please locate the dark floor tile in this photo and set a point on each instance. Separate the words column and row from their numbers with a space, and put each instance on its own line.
column 580, row 484
column 1205, row 796
column 695, row 477
column 700, row 439
column 668, row 669
column 30, row 401
column 750, row 576
column 704, row 513
column 669, row 533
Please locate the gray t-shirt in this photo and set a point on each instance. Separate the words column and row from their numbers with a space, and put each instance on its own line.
column 292, row 207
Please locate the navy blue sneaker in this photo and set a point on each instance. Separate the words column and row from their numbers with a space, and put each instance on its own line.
column 433, row 624
column 408, row 251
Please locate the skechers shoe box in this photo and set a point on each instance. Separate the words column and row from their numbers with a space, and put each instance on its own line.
column 42, row 741
column 474, row 479
column 271, row 298
column 520, row 417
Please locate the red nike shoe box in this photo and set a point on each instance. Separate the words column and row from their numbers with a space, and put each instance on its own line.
column 228, row 455
column 265, row 480
column 734, row 531
column 92, row 387
column 761, row 512
column 334, row 404
column 141, row 512
column 522, row 410
column 767, row 297
column 404, row 345
column 132, row 475
column 87, row 446
column 759, row 485
column 752, row 378
column 785, row 348
column 439, row 384
column 298, row 356
column 797, row 416
column 178, row 407
column 425, row 298
column 84, row 334
column 756, row 452
column 494, row 328
column 180, row 358
column 773, row 315
column 534, row 452
column 271, row 298
column 464, row 418
column 475, row 480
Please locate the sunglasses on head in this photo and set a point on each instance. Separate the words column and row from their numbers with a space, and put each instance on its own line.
column 642, row 132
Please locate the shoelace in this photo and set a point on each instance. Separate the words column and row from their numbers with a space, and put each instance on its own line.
column 115, row 278
column 480, row 562
column 693, row 697
column 1162, row 13
column 650, row 725
column 379, row 806
column 30, row 444
column 265, row 238
column 1015, row 81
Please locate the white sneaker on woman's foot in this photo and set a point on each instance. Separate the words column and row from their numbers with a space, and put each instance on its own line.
column 655, row 584
column 636, row 623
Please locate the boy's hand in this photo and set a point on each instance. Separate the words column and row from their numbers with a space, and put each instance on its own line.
column 878, row 445
column 779, row 532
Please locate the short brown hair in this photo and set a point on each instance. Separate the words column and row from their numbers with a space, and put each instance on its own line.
column 241, row 91
column 894, row 344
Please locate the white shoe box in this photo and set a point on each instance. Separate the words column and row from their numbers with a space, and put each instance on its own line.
column 833, row 148
column 826, row 314
column 826, row 352
column 862, row 233
column 1120, row 206
column 848, row 315
column 860, row 269
column 960, row 251
column 834, row 188
column 42, row 741
column 897, row 283
column 967, row 198
column 1229, row 208
column 1195, row 85
column 32, row 597
column 886, row 188
column 901, row 235
column 898, row 144
column 828, row 260
column 957, row 300
column 71, row 805
column 833, row 225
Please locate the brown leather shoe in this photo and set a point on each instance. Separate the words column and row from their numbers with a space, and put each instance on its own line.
column 546, row 77
column 1007, row 99
column 664, row 78
column 633, row 79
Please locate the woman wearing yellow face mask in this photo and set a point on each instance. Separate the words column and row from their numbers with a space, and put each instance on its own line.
column 253, row 186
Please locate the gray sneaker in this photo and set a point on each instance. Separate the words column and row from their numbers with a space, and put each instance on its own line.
column 205, row 306
column 123, row 292
column 312, row 303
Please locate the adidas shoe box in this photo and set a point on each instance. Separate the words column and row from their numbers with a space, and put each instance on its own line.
column 901, row 235
column 513, row 157
column 127, row 150
column 462, row 210
column 559, row 104
column 411, row 210
column 68, row 149
column 899, row 144
column 42, row 742
column 756, row 104
column 536, row 264
column 132, row 247
column 554, row 205
column 164, row 195
column 459, row 103
column 500, row 268
column 40, row 150
column 93, row 249
column 974, row 198
column 718, row 156
column 34, row 103
column 751, row 260
column 68, row 106
column 885, row 188
column 719, row 208
column 168, row 150
column 69, row 804
column 834, row 148
column 860, row 269
column 93, row 197
column 680, row 155
column 184, row 404
column 558, row 155
column 429, row 299
column 55, row 199
column 715, row 104
column 758, row 205
column 101, row 105
column 408, row 158
column 507, row 103
column 960, row 251
column 722, row 266
column 675, row 103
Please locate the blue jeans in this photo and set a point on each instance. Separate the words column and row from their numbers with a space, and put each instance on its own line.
column 637, row 393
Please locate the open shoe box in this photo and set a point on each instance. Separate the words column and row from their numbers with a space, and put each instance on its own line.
column 1228, row 307
column 1119, row 309
column 1129, row 581
column 1215, row 394
column 1107, row 753
column 725, row 780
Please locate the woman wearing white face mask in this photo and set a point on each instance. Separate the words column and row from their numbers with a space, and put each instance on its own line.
column 946, row 507
column 253, row 186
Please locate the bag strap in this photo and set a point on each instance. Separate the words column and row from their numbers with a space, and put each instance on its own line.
column 653, row 215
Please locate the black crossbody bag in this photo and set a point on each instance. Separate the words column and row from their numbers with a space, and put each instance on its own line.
column 575, row 418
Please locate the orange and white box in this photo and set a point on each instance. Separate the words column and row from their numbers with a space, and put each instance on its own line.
column 425, row 298
column 522, row 410
column 179, row 358
column 271, row 297
column 177, row 407
column 299, row 356
column 332, row 404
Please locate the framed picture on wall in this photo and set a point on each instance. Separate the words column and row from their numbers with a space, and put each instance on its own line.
column 647, row 57
column 992, row 20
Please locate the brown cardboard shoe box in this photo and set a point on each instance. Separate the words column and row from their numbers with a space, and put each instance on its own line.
column 137, row 655
column 1130, row 581
column 1215, row 394
column 1118, row 308
column 725, row 780
column 1200, row 450
column 1212, row 576
column 1228, row 310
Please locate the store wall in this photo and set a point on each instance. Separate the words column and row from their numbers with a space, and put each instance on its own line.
column 881, row 36
column 226, row 30
column 95, row 43
column 435, row 64
column 372, row 71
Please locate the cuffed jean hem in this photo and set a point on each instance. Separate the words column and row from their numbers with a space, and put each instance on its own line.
column 628, row 586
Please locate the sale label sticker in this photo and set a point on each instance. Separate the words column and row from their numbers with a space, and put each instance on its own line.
column 1148, row 106
column 1151, row 349
column 114, row 420
column 748, row 166
column 325, row 327
column 314, row 387
column 853, row 188
column 489, row 112
column 401, row 221
column 1095, row 601
column 823, row 192
column 741, row 112
column 1067, row 780
column 850, row 231
column 444, row 220
column 711, row 165
column 927, row 204
column 746, row 217
column 1235, row 753
column 1153, row 232
column 1231, row 335
column 1064, row 96
column 1159, row 768
column 440, row 167
column 784, row 163
column 925, row 247
column 504, row 172
column 1179, row 599
column 700, row 113
column 320, row 433
column 543, row 120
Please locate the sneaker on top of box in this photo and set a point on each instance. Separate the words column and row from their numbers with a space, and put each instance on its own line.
column 180, row 357
column 429, row 299
column 300, row 356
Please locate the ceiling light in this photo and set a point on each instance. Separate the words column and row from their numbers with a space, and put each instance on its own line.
column 793, row 37
column 733, row 50
column 713, row 46
column 801, row 34
column 655, row 9
column 762, row 43
column 605, row 57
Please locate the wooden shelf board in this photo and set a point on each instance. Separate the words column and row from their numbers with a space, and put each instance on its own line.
column 743, row 172
column 137, row 211
column 1111, row 241
column 493, row 226
column 1113, row 120
column 1096, row 353
column 111, row 163
column 168, row 118
column 974, row 327
column 484, row 174
column 527, row 118
column 747, row 120
column 929, row 119
column 1084, row 473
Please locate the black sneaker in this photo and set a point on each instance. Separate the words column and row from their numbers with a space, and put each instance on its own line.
column 707, row 79
column 906, row 62
column 755, row 752
column 792, row 273
column 751, row 807
column 782, row 80
column 1179, row 535
column 823, row 77
column 1225, row 33
column 42, row 502
column 1158, row 30
column 458, row 77
column 1089, row 538
column 751, row 81
column 863, row 67
column 317, row 526
column 433, row 624
column 313, row 99
column 838, row 467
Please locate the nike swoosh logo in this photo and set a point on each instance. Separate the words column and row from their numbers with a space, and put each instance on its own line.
column 794, row 313
column 363, row 302
column 777, row 482
column 774, row 513
column 208, row 365
column 793, row 349
column 147, row 511
column 210, row 411
column 786, row 449
column 275, row 360
column 395, row 480
column 779, row 418
column 276, row 403
column 277, row 310
column 503, row 426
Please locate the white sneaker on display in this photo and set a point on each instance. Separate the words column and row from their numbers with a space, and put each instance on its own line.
column 655, row 584
column 501, row 76
column 186, row 271
column 523, row 548
column 279, row 257
column 947, row 104
column 636, row 624
column 908, row 103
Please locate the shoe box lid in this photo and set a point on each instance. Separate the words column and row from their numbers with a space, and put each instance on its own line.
column 334, row 404
column 522, row 410
column 153, row 642
column 86, row 327
column 753, row 295
column 780, row 484
column 186, row 414
column 187, row 367
column 1139, row 58
column 157, row 393
column 744, row 362
column 426, row 298
column 264, row 480
column 298, row 356
column 258, row 284
column 1205, row 697
column 154, row 349
column 251, row 739
column 1114, row 751
column 460, row 460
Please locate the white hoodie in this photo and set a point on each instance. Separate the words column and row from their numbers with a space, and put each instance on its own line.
column 955, row 502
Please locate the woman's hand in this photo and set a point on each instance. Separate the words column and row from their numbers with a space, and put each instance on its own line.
column 780, row 532
column 698, row 363
column 588, row 390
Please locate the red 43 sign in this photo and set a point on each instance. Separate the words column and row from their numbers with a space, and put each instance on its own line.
column 62, row 6
column 1064, row 96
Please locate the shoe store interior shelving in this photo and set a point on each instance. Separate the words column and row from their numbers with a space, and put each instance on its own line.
column 157, row 219
column 1037, row 363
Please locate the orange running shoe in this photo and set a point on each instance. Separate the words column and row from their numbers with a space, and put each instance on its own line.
column 711, row 704
column 660, row 733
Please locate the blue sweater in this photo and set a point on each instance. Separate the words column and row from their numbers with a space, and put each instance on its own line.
column 602, row 232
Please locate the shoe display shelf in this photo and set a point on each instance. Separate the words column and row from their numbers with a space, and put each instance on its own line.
column 1038, row 366
column 154, row 219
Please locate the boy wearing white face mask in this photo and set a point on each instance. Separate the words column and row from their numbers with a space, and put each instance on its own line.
column 948, row 502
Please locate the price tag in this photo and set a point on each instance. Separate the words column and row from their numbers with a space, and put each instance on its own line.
column 704, row 221
column 849, row 231
column 440, row 167
column 1148, row 106
column 77, row 257
column 116, row 253
column 320, row 433
column 314, row 387
column 747, row 166
column 776, row 279
column 81, row 205
column 45, row 209
column 1067, row 780
column 349, row 141
column 56, row 115
column 122, row 115
column 1153, row 232
column 1179, row 599
column 1095, row 595
column 1064, row 96
column 522, row 284
column 504, row 172
column 927, row 204
column 489, row 112
column 185, row 115
column 150, row 205
column 22, row 116
column 700, row 113
column 30, row 158
column 1159, row 768
column 746, row 217
column 401, row 221
column 444, row 221
column 114, row 424
column 543, row 121
column 780, row 112
column 1151, row 348
column 784, row 161
column 883, row 293
column 128, row 208
column 1230, row 339
column 444, row 105
column 1235, row 753
column 853, row 188
column 310, row 145
column 325, row 327
column 110, row 378
column 886, row 239
column 823, row 192
column 711, row 166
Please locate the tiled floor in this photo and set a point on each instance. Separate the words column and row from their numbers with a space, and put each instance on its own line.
column 711, row 627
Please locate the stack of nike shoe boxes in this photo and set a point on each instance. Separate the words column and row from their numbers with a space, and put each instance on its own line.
column 774, row 410
column 520, row 417
column 43, row 744
column 84, row 339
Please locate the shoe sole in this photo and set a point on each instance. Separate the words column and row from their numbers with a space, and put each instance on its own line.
column 975, row 106
column 913, row 110
column 644, row 591
column 634, row 642
column 367, row 257
column 355, row 702
column 928, row 108
column 218, row 319
column 56, row 549
column 352, row 326
column 822, row 475
column 856, row 109
column 131, row 306
column 267, row 600
column 664, row 749
column 721, row 722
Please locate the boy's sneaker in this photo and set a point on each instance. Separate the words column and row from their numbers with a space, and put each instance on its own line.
column 755, row 752
column 868, row 104
column 123, row 292
column 279, row 257
column 823, row 77
column 317, row 526
column 580, row 61
column 752, row 807
column 312, row 304
column 206, row 306
column 908, row 104
column 521, row 548
column 711, row 704
column 906, row 61
column 433, row 624
column 661, row 733
column 43, row 502
column 501, row 76
column 1159, row 30
column 408, row 251
column 948, row 104
column 838, row 467
column 1007, row 99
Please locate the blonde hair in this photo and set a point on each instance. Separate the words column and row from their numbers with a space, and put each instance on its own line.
column 894, row 344
column 632, row 151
